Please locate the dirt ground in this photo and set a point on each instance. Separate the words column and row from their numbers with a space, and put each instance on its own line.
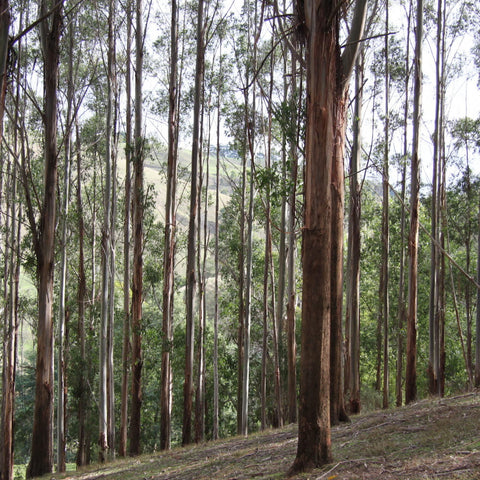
column 427, row 440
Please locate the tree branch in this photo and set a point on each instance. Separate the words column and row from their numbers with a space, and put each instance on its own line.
column 352, row 44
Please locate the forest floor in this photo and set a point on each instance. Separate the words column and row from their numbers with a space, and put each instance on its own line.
column 426, row 440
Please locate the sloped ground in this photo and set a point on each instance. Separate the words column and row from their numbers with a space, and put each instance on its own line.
column 431, row 439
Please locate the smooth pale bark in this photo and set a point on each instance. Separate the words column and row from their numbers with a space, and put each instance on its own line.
column 169, row 248
column 138, row 241
column 292, row 237
column 122, row 445
column 191, row 275
column 41, row 460
column 411, row 367
column 352, row 319
column 402, row 314
column 82, row 454
column 62, row 321
column 337, row 405
column 104, row 447
column 199, row 423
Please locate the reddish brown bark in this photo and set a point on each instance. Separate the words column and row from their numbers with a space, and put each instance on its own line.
column 314, row 442
column 41, row 460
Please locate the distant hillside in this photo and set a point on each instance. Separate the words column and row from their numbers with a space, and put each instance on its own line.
column 155, row 174
column 430, row 439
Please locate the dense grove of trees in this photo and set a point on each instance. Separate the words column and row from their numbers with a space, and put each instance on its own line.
column 217, row 218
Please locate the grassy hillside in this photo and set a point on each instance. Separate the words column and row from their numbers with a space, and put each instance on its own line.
column 427, row 440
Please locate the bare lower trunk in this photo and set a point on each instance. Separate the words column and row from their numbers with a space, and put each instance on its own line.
column 138, row 209
column 169, row 248
column 411, row 368
column 41, row 460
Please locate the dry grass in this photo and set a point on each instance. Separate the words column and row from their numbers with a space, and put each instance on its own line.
column 432, row 439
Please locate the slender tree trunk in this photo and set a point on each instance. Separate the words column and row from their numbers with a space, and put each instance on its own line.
column 138, row 209
column 216, row 380
column 385, row 271
column 201, row 258
column 81, row 301
column 41, row 460
column 402, row 314
column 12, row 271
column 104, row 447
column 10, row 329
column 411, row 367
column 61, row 361
column 337, row 406
column 291, row 286
column 191, row 273
column 477, row 320
column 169, row 252
column 5, row 18
column 122, row 447
column 352, row 322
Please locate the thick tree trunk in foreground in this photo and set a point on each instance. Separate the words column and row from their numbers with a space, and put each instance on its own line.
column 41, row 460
column 327, row 81
column 314, row 443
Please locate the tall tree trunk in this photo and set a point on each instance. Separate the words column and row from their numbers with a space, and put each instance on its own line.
column 401, row 320
column 477, row 319
column 337, row 405
column 411, row 367
column 104, row 448
column 138, row 209
column 10, row 329
column 41, row 460
column 122, row 446
column 385, row 273
column 352, row 321
column 327, row 82
column 201, row 258
column 216, row 380
column 5, row 18
column 191, row 274
column 81, row 459
column 291, row 286
column 169, row 252
column 61, row 361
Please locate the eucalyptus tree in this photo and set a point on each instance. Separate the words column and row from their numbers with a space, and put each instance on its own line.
column 105, row 362
column 384, row 271
column 43, row 231
column 352, row 313
column 328, row 76
column 170, row 234
column 411, row 364
column 5, row 19
column 138, row 213
column 9, row 184
column 191, row 274
column 11, row 272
